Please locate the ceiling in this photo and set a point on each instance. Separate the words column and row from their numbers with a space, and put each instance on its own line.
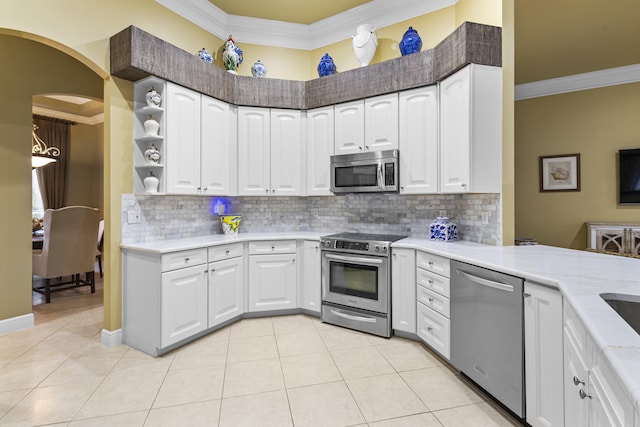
column 68, row 107
column 295, row 11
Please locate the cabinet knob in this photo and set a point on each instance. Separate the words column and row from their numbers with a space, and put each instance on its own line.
column 226, row 252
column 464, row 185
column 401, row 188
column 429, row 328
column 293, row 261
column 366, row 147
column 430, row 263
column 431, row 300
column 316, row 249
column 199, row 188
column 206, row 271
column 527, row 295
column 266, row 190
column 430, row 282
column 583, row 394
column 576, row 381
column 206, row 188
column 360, row 148
column 186, row 259
column 273, row 191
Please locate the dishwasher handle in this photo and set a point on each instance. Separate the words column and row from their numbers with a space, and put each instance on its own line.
column 485, row 282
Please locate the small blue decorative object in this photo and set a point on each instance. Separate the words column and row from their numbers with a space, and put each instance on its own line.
column 258, row 69
column 443, row 229
column 205, row 56
column 326, row 67
column 410, row 43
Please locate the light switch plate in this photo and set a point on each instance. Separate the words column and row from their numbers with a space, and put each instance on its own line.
column 133, row 217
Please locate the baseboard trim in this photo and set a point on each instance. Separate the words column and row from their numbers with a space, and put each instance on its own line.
column 111, row 338
column 16, row 323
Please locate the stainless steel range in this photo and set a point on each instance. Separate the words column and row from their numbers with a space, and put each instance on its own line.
column 356, row 281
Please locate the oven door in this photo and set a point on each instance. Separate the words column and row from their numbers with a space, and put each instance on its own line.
column 357, row 281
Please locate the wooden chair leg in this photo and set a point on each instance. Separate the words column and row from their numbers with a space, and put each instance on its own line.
column 47, row 290
column 100, row 264
column 91, row 276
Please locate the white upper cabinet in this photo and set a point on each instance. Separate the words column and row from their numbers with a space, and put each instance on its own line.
column 269, row 151
column 419, row 156
column 381, row 122
column 219, row 149
column 349, row 127
column 471, row 130
column 183, row 140
column 286, row 152
column 254, row 151
column 320, row 146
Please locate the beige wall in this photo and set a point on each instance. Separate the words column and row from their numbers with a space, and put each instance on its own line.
column 595, row 123
column 84, row 175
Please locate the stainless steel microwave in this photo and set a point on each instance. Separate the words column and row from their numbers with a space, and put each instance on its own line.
column 371, row 172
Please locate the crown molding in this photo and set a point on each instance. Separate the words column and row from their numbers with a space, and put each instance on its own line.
column 578, row 82
column 93, row 120
column 379, row 13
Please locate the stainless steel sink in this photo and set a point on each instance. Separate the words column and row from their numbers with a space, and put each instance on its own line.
column 627, row 306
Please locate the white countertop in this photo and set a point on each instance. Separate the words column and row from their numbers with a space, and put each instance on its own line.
column 580, row 276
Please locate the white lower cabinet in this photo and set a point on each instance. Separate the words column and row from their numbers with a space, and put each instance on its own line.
column 272, row 278
column 403, row 290
column 434, row 329
column 184, row 304
column 543, row 355
column 226, row 290
column 310, row 289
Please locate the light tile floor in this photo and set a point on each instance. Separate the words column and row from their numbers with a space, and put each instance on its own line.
column 280, row 371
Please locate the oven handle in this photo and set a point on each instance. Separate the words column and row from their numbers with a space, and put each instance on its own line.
column 352, row 317
column 354, row 259
column 381, row 180
column 486, row 282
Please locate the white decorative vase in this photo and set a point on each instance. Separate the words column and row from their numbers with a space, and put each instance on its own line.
column 153, row 98
column 365, row 43
column 151, row 184
column 152, row 155
column 151, row 126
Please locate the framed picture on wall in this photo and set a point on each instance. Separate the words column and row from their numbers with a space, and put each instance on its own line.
column 560, row 173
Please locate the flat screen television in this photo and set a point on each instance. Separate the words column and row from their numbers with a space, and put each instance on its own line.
column 629, row 167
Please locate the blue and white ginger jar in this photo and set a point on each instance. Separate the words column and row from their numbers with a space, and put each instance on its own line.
column 443, row 229
column 326, row 67
column 205, row 56
column 258, row 69
column 410, row 43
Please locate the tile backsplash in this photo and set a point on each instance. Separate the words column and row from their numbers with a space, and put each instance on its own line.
column 171, row 217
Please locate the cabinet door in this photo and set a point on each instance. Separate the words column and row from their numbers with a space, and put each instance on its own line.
column 455, row 116
column 219, row 148
column 226, row 290
column 543, row 362
column 184, row 304
column 311, row 288
column 286, row 152
column 381, row 122
column 254, row 151
column 183, row 140
column 403, row 291
column 320, row 146
column 272, row 282
column 419, row 141
column 349, row 127
column 434, row 329
column 575, row 380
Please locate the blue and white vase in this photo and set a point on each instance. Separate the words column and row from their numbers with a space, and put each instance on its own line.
column 410, row 43
column 205, row 56
column 153, row 98
column 326, row 67
column 443, row 229
column 258, row 69
column 231, row 56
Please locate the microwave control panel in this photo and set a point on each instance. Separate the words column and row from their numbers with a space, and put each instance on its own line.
column 389, row 174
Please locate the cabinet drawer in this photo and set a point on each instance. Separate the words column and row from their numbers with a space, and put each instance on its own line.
column 182, row 259
column 218, row 253
column 433, row 329
column 272, row 247
column 606, row 392
column 435, row 282
column 433, row 263
column 434, row 301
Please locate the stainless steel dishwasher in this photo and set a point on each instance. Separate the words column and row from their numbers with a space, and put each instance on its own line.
column 487, row 343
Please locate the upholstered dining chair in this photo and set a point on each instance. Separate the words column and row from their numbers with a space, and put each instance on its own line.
column 69, row 249
column 100, row 245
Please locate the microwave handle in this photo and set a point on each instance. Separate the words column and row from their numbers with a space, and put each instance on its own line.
column 381, row 179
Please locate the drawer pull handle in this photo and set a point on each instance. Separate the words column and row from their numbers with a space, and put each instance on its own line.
column 227, row 252
column 273, row 248
column 583, row 395
column 429, row 328
column 430, row 263
column 186, row 259
column 431, row 300
column 576, row 381
column 430, row 282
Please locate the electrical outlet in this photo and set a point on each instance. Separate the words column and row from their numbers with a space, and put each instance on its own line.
column 315, row 213
column 267, row 213
column 133, row 217
column 443, row 213
column 485, row 217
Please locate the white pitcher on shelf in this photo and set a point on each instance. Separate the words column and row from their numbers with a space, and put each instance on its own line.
column 365, row 43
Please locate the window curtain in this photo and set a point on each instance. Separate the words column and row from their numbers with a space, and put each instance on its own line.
column 52, row 177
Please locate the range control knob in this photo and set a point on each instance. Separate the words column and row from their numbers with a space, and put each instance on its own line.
column 384, row 249
column 376, row 248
